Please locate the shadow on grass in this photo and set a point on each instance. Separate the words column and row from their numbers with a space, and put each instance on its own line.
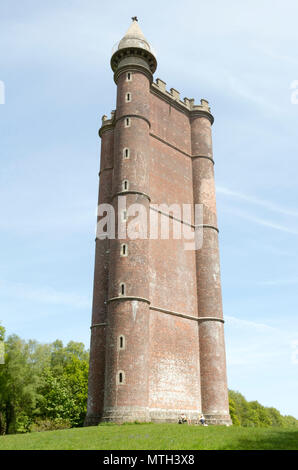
column 274, row 440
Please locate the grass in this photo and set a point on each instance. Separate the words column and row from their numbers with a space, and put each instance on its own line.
column 155, row 437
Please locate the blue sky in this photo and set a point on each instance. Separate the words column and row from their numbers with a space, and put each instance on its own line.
column 58, row 83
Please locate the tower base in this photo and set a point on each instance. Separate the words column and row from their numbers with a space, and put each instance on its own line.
column 126, row 414
column 92, row 420
column 224, row 420
column 154, row 415
column 160, row 415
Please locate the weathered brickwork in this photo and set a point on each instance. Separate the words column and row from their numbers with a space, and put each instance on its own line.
column 157, row 339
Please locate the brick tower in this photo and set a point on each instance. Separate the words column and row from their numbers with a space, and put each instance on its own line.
column 157, row 337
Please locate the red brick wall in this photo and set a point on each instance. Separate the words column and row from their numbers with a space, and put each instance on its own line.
column 174, row 382
column 170, row 124
column 100, row 290
column 170, row 363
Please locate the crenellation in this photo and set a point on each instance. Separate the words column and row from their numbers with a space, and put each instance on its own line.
column 191, row 103
column 161, row 84
column 108, row 122
column 173, row 94
column 187, row 102
column 205, row 103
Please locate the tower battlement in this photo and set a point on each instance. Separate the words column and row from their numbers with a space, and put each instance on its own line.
column 188, row 103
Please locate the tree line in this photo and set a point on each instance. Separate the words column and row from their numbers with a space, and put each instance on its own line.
column 253, row 414
column 44, row 387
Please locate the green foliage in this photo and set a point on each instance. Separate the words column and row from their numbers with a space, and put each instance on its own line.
column 19, row 381
column 2, row 333
column 289, row 420
column 253, row 414
column 233, row 414
column 65, row 384
column 50, row 424
column 64, row 390
column 42, row 383
column 277, row 419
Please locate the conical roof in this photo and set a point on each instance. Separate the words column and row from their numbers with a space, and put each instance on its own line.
column 134, row 37
column 133, row 50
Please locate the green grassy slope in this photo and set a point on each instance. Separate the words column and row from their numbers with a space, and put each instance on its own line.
column 155, row 436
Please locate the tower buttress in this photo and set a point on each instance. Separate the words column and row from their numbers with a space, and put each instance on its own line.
column 214, row 392
column 100, row 289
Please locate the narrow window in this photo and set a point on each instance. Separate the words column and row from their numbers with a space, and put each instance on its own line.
column 124, row 216
column 129, row 76
column 122, row 288
column 125, row 185
column 127, row 122
column 124, row 250
column 126, row 153
column 120, row 377
column 128, row 97
column 121, row 342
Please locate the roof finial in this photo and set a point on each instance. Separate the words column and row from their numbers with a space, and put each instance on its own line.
column 134, row 18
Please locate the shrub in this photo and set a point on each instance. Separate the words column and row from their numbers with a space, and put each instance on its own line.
column 50, row 425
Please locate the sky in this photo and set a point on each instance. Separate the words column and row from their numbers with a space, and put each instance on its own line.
column 54, row 66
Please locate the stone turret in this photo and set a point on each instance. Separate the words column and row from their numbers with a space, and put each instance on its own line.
column 133, row 52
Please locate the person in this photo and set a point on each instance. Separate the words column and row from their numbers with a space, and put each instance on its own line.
column 182, row 419
column 202, row 420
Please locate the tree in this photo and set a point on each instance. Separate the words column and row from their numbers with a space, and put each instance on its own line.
column 65, row 384
column 19, row 382
column 276, row 418
column 2, row 333
column 2, row 419
column 233, row 414
column 253, row 414
column 261, row 416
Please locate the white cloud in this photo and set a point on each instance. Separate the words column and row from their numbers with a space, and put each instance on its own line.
column 243, row 88
column 258, row 201
column 279, row 282
column 280, row 57
column 257, row 344
column 264, row 222
column 247, row 323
